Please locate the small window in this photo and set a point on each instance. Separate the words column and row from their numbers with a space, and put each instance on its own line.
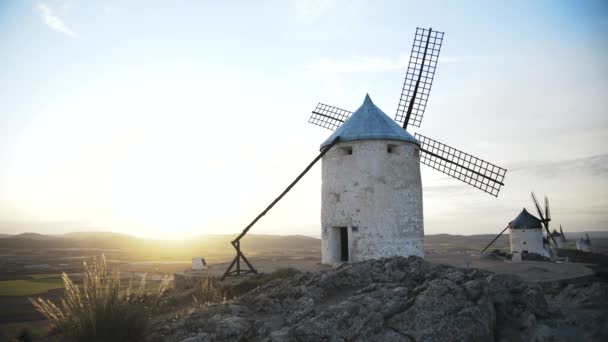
column 524, row 242
column 391, row 148
column 347, row 150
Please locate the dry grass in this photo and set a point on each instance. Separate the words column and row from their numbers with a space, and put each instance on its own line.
column 100, row 312
column 208, row 293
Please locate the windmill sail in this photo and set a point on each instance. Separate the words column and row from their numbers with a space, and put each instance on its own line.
column 412, row 105
column 547, row 211
column 328, row 116
column 460, row 165
column 419, row 77
column 543, row 218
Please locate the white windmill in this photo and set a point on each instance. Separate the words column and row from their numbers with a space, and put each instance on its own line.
column 526, row 232
column 371, row 203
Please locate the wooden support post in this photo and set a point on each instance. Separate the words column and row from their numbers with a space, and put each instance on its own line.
column 236, row 243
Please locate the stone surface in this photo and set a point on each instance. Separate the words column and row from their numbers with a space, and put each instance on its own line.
column 397, row 299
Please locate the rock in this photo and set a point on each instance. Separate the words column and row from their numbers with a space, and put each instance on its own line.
column 198, row 338
column 473, row 288
column 587, row 295
column 394, row 299
column 279, row 335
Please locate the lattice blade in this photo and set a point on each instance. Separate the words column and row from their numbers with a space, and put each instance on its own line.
column 462, row 166
column 419, row 76
column 540, row 212
column 547, row 211
column 328, row 116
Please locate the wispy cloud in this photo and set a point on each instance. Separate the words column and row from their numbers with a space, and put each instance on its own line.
column 52, row 20
column 359, row 64
column 376, row 64
column 313, row 8
column 594, row 165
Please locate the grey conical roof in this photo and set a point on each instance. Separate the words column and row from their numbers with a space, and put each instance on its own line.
column 525, row 220
column 370, row 123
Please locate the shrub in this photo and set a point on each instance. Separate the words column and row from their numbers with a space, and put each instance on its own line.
column 99, row 312
column 208, row 292
column 24, row 336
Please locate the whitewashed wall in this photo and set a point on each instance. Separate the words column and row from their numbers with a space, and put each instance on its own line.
column 528, row 239
column 377, row 195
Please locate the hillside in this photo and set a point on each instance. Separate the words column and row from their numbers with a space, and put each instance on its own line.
column 255, row 243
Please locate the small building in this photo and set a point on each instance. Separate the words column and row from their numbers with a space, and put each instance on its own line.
column 199, row 263
column 526, row 234
column 371, row 190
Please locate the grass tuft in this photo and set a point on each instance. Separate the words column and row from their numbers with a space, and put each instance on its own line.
column 99, row 312
column 209, row 292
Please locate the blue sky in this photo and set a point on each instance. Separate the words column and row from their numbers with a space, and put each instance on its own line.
column 167, row 120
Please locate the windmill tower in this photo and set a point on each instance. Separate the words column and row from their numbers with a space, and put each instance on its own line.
column 371, row 192
column 526, row 232
column 371, row 197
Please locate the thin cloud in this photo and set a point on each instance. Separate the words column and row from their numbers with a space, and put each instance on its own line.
column 376, row 64
column 53, row 21
column 593, row 165
column 359, row 64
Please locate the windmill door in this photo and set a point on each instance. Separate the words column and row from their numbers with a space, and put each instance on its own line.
column 343, row 244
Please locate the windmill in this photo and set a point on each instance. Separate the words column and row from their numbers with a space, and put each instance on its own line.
column 525, row 231
column 410, row 110
column 559, row 236
column 545, row 219
column 584, row 244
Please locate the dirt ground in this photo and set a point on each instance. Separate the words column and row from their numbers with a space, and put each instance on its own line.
column 537, row 271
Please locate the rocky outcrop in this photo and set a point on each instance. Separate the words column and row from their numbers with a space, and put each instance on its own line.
column 392, row 299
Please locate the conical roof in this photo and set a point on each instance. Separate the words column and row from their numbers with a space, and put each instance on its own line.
column 370, row 123
column 525, row 220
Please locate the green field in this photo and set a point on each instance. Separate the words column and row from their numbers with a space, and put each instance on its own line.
column 39, row 283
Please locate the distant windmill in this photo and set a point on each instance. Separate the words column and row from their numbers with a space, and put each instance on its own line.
column 584, row 244
column 525, row 231
column 559, row 237
column 410, row 110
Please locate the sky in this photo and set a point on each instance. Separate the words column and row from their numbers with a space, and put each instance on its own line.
column 175, row 119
